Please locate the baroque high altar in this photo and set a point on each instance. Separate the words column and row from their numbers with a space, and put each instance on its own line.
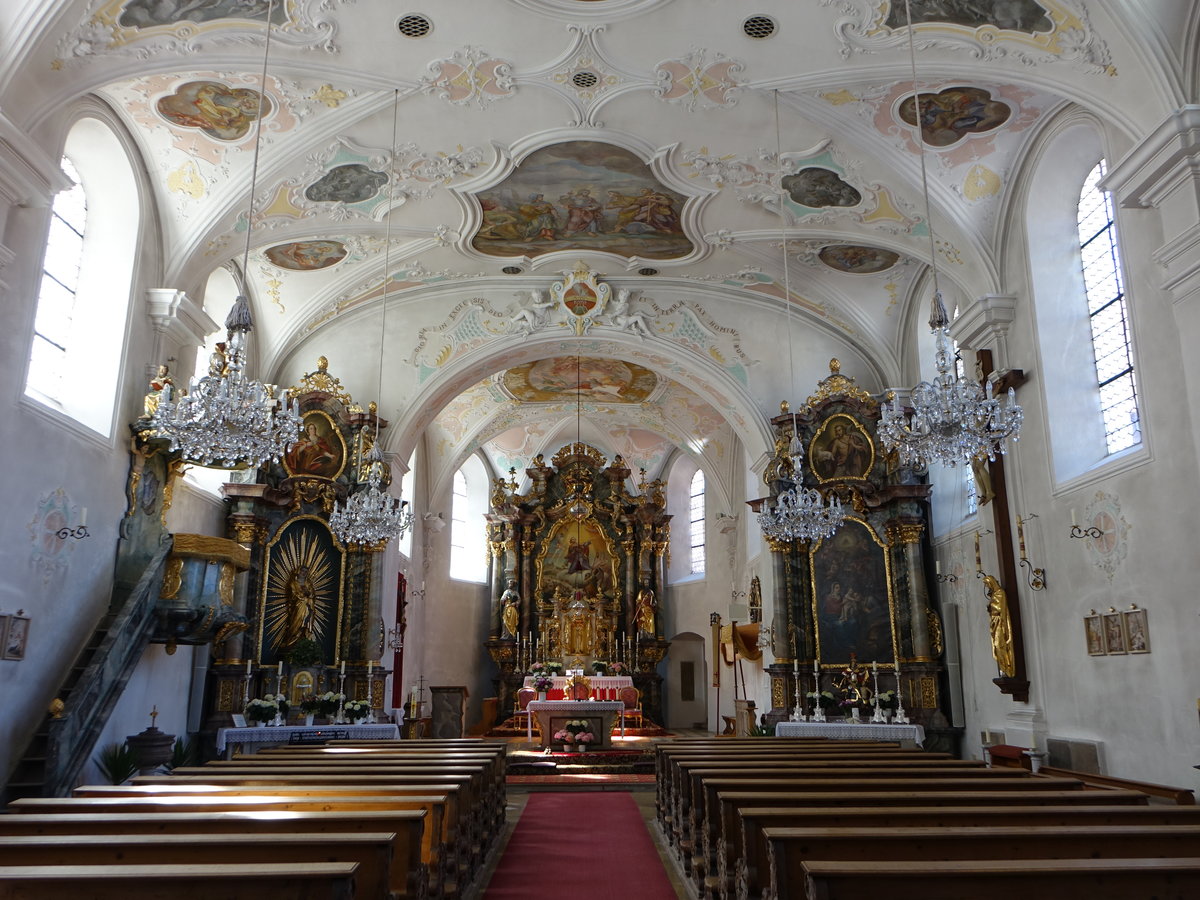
column 579, row 568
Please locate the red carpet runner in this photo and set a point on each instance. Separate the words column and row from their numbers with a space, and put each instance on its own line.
column 581, row 846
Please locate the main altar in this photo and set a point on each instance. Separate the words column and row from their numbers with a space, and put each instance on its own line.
column 579, row 568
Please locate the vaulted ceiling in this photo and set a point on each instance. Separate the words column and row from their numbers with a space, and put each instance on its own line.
column 479, row 152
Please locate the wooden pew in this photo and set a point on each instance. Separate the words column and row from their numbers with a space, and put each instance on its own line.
column 742, row 850
column 788, row 849
column 460, row 859
column 433, row 853
column 372, row 851
column 1097, row 879
column 296, row 881
column 409, row 874
column 698, row 842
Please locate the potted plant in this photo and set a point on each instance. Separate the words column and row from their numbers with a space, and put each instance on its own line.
column 574, row 733
column 554, row 668
column 310, row 705
column 281, row 708
column 356, row 710
column 616, row 668
column 599, row 667
column 262, row 710
column 541, row 684
column 331, row 703
column 823, row 699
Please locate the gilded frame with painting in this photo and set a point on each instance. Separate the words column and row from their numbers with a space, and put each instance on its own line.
column 1093, row 631
column 321, row 450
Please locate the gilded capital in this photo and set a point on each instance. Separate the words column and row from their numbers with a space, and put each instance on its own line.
column 904, row 532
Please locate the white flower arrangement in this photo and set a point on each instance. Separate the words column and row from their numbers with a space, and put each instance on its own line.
column 356, row 709
column 262, row 709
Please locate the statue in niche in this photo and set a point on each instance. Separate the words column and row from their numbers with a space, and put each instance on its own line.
column 162, row 381
column 579, row 626
column 301, row 597
column 511, row 615
column 644, row 610
column 1000, row 626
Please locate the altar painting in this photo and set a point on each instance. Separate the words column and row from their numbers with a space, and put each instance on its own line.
column 320, row 452
column 852, row 597
column 577, row 557
column 302, row 590
column 582, row 195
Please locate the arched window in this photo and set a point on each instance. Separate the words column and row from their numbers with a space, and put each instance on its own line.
column 1103, row 284
column 696, row 522
column 468, row 531
column 407, row 485
column 83, row 299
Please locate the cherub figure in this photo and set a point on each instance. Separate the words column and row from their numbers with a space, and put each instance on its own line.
column 533, row 317
column 625, row 320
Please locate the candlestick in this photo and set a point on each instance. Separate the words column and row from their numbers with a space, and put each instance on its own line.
column 343, row 669
column 370, row 666
column 248, row 672
column 1021, row 536
column 978, row 561
column 816, row 669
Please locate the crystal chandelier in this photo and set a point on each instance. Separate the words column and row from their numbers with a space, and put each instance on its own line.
column 799, row 513
column 227, row 418
column 374, row 516
column 953, row 419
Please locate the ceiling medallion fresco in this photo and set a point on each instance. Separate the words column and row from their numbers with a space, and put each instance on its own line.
column 306, row 256
column 352, row 183
column 818, row 188
column 1012, row 15
column 857, row 259
column 581, row 196
column 565, row 377
column 148, row 13
column 219, row 111
column 952, row 114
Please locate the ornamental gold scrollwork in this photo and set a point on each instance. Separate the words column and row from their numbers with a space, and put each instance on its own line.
column 208, row 547
column 928, row 692
column 317, row 492
column 225, row 583
column 778, row 693
column 172, row 579
column 904, row 532
column 936, row 641
column 321, row 381
column 225, row 695
column 228, row 630
column 175, row 469
column 838, row 385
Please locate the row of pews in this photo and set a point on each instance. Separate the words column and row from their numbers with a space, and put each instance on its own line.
column 786, row 818
column 395, row 820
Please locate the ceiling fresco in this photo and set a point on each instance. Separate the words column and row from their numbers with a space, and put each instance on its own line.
column 463, row 167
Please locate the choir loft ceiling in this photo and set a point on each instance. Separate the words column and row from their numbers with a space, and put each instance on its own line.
column 663, row 111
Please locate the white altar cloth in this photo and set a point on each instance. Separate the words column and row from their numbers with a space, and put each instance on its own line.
column 604, row 687
column 861, row 731
column 545, row 710
column 254, row 737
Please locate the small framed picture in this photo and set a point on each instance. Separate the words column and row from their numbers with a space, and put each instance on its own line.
column 1114, row 634
column 1137, row 631
column 16, row 637
column 1093, row 629
column 239, row 720
column 3, row 632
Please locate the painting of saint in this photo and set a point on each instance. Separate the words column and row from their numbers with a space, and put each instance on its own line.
column 856, row 259
column 221, row 112
column 301, row 590
column 320, row 451
column 818, row 188
column 1014, row 15
column 577, row 562
column 841, row 448
column 604, row 380
column 851, row 604
column 607, row 199
column 1093, row 628
column 1137, row 631
column 351, row 183
column 1114, row 634
column 306, row 256
column 948, row 116
column 148, row 13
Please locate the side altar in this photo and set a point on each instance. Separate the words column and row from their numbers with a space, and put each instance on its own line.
column 579, row 568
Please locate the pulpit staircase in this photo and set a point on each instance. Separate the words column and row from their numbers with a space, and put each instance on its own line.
column 90, row 690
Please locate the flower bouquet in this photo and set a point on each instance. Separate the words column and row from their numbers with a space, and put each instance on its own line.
column 310, row 705
column 575, row 731
column 538, row 668
column 281, row 704
column 554, row 668
column 888, row 700
column 331, row 702
column 356, row 710
column 599, row 667
column 616, row 668
column 542, row 683
column 261, row 710
column 824, row 699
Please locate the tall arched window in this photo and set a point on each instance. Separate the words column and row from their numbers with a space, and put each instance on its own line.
column 696, row 522
column 1111, row 346
column 83, row 301
column 468, row 528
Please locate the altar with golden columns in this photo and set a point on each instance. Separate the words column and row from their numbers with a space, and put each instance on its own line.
column 579, row 569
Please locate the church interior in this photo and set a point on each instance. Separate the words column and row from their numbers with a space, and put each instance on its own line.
column 694, row 360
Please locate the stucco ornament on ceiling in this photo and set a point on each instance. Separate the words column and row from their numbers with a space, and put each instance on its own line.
column 1109, row 550
column 144, row 28
column 469, row 75
column 699, row 81
column 868, row 26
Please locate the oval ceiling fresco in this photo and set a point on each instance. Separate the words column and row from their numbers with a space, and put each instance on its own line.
column 590, row 378
column 306, row 256
column 857, row 259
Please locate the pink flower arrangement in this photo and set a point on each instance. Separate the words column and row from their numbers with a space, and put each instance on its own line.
column 616, row 668
column 584, row 737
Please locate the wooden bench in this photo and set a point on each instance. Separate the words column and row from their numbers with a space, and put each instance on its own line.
column 296, row 881
column 370, row 850
column 788, row 849
column 1097, row 879
column 433, row 852
column 743, row 865
column 1181, row 796
column 409, row 875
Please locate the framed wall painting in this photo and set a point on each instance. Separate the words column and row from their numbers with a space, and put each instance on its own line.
column 16, row 637
column 1114, row 634
column 3, row 633
column 1093, row 628
column 1137, row 631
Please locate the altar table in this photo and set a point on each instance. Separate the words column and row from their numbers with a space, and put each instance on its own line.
column 553, row 714
column 853, row 731
column 604, row 687
column 254, row 737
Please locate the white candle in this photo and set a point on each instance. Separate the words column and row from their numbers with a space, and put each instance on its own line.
column 343, row 667
column 987, row 736
column 247, row 667
column 937, row 567
column 875, row 667
column 816, row 669
column 280, row 667
column 370, row 666
column 1032, row 741
column 1072, row 518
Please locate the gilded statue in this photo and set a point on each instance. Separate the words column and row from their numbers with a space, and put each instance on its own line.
column 643, row 611
column 301, row 597
column 1000, row 625
column 161, row 381
column 511, row 613
column 579, row 627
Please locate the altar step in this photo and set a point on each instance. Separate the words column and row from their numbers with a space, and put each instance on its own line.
column 558, row 765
